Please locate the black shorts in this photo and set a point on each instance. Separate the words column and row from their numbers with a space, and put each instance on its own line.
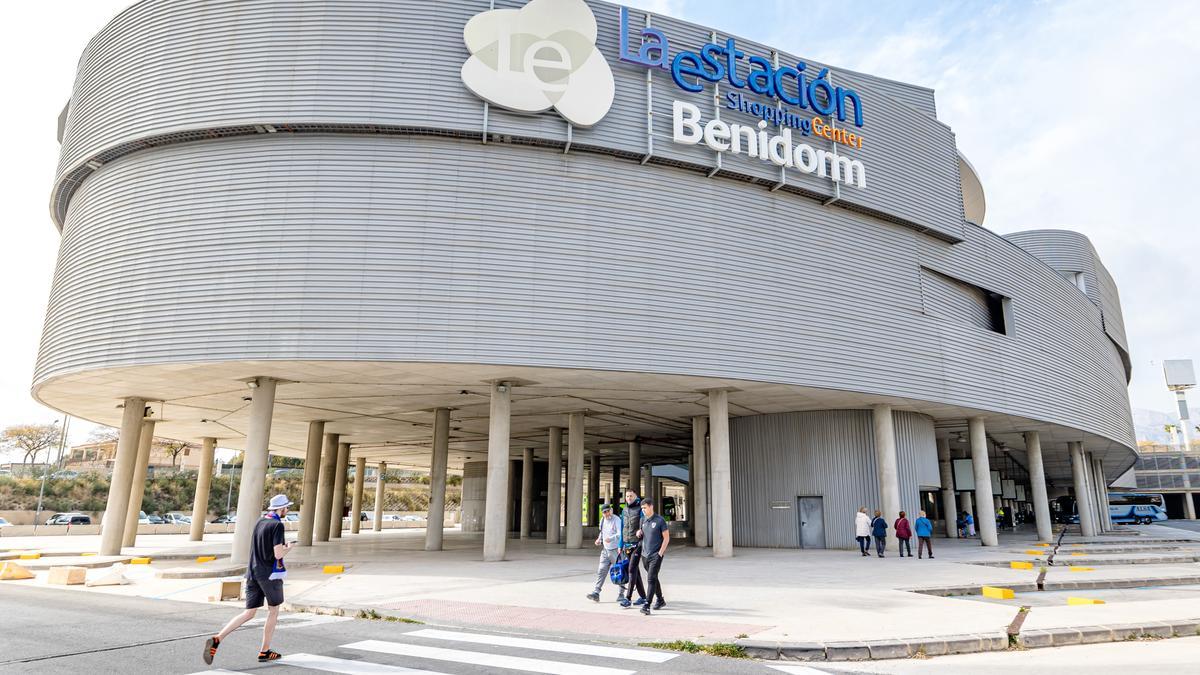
column 259, row 589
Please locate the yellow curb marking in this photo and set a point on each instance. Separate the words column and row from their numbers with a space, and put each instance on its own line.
column 1084, row 601
column 333, row 569
column 1020, row 565
column 998, row 593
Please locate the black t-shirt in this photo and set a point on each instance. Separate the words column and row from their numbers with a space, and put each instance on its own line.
column 652, row 535
column 268, row 532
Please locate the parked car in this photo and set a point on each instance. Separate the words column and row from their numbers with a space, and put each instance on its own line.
column 291, row 518
column 227, row 519
column 53, row 517
column 65, row 473
column 73, row 519
column 143, row 519
column 155, row 519
column 177, row 518
column 5, row 523
column 412, row 519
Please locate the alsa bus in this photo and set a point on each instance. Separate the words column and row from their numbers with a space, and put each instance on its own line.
column 1123, row 507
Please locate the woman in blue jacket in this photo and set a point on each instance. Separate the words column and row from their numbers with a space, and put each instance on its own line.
column 924, row 528
column 879, row 528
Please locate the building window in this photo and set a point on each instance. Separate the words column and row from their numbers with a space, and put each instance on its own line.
column 962, row 302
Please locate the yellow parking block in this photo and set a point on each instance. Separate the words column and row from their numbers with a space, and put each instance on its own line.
column 140, row 561
column 11, row 571
column 86, row 554
column 1084, row 601
column 1020, row 565
column 30, row 556
column 1041, row 544
column 1076, row 568
column 206, row 558
column 1035, row 553
column 998, row 593
column 333, row 569
column 1078, row 553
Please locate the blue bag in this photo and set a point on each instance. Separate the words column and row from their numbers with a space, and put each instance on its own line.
column 618, row 573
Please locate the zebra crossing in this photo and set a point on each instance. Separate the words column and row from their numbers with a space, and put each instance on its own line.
column 459, row 650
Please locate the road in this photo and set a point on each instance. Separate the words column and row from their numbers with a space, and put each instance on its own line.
column 1189, row 525
column 60, row 631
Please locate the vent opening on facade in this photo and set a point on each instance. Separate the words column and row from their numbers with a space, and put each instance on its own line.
column 963, row 302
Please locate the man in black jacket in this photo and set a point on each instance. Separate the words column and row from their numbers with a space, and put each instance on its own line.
column 631, row 524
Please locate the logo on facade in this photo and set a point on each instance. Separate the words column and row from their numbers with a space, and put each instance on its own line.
column 539, row 57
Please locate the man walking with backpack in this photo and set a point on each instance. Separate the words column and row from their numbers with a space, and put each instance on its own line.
column 631, row 525
column 609, row 542
column 655, row 538
column 264, row 580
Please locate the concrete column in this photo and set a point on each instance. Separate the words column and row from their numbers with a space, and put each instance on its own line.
column 1089, row 475
column 617, row 489
column 722, row 489
column 360, row 468
column 526, row 492
column 635, row 466
column 325, row 488
column 887, row 467
column 495, row 523
column 594, row 499
column 554, row 487
column 338, row 506
column 1082, row 502
column 208, row 447
column 985, row 505
column 698, row 475
column 312, row 481
column 968, row 502
column 575, row 480
column 949, row 503
column 137, row 488
column 112, row 531
column 474, row 496
column 254, row 468
column 1189, row 506
column 380, row 484
column 1037, row 485
column 1101, row 495
column 436, row 519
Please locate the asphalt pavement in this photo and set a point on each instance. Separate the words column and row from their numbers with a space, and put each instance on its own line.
column 60, row 631
column 1189, row 525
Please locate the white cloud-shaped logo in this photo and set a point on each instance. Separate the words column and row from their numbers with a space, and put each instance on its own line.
column 539, row 57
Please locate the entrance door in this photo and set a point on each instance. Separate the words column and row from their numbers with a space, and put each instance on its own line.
column 812, row 521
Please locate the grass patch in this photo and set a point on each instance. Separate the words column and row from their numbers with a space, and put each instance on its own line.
column 372, row 615
column 725, row 649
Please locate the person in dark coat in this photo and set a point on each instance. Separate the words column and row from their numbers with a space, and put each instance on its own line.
column 879, row 531
column 903, row 534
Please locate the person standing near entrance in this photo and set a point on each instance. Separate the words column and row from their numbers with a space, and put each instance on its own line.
column 631, row 524
column 970, row 519
column 903, row 534
column 655, row 538
column 862, row 530
column 924, row 528
column 609, row 543
column 961, row 522
column 264, row 580
column 879, row 531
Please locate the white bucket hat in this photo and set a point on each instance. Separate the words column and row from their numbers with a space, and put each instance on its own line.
column 278, row 502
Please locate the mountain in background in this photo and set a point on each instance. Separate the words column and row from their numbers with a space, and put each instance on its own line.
column 1149, row 424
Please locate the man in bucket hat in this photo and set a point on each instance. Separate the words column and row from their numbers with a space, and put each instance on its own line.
column 264, row 580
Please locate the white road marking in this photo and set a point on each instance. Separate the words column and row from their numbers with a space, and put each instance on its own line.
column 482, row 659
column 798, row 670
column 332, row 665
column 299, row 620
column 545, row 645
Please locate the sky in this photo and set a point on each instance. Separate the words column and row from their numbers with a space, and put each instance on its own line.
column 1077, row 115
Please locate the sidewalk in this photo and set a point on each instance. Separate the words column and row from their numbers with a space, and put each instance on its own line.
column 764, row 596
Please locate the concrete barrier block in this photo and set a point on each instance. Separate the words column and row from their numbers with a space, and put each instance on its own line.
column 1186, row 627
column 1066, row 636
column 1033, row 639
column 115, row 576
column 964, row 644
column 998, row 593
column 229, row 590
column 11, row 571
column 760, row 649
column 1158, row 629
column 847, row 651
column 929, row 647
column 67, row 575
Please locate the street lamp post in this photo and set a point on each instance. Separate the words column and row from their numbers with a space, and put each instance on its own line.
column 62, row 439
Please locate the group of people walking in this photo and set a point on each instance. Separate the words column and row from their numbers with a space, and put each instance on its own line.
column 867, row 528
column 639, row 535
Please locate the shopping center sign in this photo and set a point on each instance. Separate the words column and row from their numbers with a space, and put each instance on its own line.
column 544, row 56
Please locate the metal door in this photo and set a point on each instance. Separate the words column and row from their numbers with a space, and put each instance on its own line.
column 811, row 511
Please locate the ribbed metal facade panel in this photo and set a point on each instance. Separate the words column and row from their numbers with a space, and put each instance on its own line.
column 1068, row 251
column 427, row 250
column 186, row 66
column 830, row 454
column 954, row 300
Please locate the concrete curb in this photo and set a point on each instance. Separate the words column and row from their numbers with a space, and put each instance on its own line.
column 1083, row 584
column 1061, row 560
column 875, row 650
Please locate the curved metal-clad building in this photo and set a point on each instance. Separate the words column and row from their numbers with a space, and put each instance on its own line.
column 307, row 192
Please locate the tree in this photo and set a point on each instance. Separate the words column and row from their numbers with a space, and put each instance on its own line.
column 103, row 435
column 30, row 439
column 174, row 448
